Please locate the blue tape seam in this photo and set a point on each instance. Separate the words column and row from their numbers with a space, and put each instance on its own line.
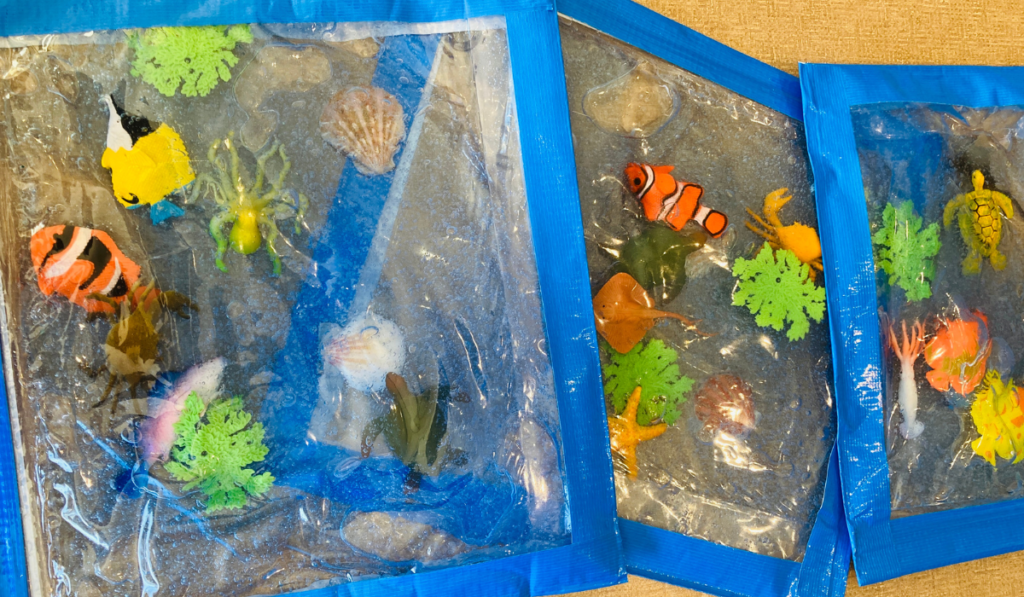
column 653, row 552
column 594, row 558
column 885, row 548
column 694, row 52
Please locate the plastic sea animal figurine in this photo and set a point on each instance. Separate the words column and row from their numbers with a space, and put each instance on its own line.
column 980, row 214
column 664, row 199
column 626, row 434
column 656, row 258
column 146, row 164
column 212, row 454
column 414, row 428
column 78, row 263
column 725, row 403
column 251, row 211
column 365, row 351
column 367, row 124
column 796, row 238
column 624, row 312
column 958, row 353
column 999, row 420
column 132, row 343
column 196, row 58
column 905, row 252
column 655, row 367
column 635, row 105
column 776, row 287
column 155, row 435
column 907, row 353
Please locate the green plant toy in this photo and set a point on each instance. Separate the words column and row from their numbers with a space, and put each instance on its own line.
column 777, row 288
column 905, row 252
column 654, row 367
column 196, row 58
column 213, row 454
column 980, row 214
column 414, row 428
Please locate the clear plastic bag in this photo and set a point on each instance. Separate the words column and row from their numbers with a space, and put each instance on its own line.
column 378, row 316
column 731, row 444
column 945, row 180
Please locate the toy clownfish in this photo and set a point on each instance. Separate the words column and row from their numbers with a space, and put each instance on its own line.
column 672, row 201
column 146, row 164
column 78, row 262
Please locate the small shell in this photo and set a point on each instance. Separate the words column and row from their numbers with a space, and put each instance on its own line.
column 725, row 403
column 365, row 351
column 367, row 124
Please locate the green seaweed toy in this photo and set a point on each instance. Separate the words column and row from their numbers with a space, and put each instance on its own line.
column 776, row 287
column 905, row 252
column 654, row 367
column 213, row 454
column 980, row 214
column 196, row 58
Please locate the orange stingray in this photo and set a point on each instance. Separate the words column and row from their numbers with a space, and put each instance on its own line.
column 624, row 312
column 956, row 355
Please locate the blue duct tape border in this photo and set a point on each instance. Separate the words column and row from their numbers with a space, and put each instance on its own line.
column 672, row 557
column 18, row 17
column 594, row 558
column 656, row 34
column 712, row 568
column 13, row 575
column 885, row 548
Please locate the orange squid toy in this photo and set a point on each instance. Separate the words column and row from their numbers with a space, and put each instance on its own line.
column 672, row 201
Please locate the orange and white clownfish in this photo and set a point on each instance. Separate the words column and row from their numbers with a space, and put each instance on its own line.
column 77, row 262
column 672, row 201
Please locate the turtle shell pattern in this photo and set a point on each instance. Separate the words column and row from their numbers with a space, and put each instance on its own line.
column 986, row 218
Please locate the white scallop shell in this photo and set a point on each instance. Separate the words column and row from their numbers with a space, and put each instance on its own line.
column 365, row 351
column 367, row 124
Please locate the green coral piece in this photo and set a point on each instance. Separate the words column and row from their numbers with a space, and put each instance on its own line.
column 197, row 58
column 905, row 251
column 653, row 367
column 776, row 287
column 213, row 455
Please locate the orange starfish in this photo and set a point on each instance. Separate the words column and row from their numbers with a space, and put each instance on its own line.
column 626, row 434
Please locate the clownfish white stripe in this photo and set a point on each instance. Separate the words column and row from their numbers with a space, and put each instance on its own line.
column 70, row 255
column 649, row 173
column 702, row 214
column 670, row 202
column 113, row 279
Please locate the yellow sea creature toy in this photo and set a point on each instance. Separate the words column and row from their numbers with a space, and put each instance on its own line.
column 1000, row 422
column 980, row 215
column 797, row 238
column 251, row 210
column 146, row 164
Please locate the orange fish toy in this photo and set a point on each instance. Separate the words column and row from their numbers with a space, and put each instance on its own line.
column 78, row 262
column 672, row 201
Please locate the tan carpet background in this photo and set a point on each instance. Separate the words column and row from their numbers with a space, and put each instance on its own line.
column 785, row 32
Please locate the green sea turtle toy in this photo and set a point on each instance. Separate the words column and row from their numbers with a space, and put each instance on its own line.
column 980, row 214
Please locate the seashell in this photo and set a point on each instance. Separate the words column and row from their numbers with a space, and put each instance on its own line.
column 367, row 124
column 636, row 105
column 365, row 351
column 725, row 403
column 395, row 538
